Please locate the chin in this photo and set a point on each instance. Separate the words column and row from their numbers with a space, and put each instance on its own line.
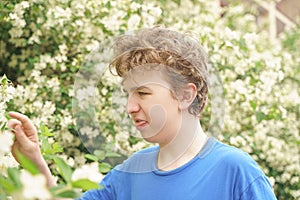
column 149, row 138
column 153, row 135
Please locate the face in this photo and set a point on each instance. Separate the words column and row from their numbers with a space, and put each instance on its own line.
column 151, row 105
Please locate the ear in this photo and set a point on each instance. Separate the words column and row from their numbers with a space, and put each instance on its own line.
column 189, row 93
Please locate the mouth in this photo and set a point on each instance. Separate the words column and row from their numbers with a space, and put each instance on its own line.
column 140, row 124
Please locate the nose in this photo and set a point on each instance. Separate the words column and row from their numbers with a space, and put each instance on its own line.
column 132, row 104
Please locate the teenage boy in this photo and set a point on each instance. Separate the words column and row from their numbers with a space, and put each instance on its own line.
column 165, row 74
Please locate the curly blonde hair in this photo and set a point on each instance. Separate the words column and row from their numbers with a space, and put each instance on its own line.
column 183, row 56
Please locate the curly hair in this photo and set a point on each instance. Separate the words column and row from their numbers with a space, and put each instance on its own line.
column 183, row 56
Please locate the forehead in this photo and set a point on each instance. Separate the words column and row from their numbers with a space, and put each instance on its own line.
column 141, row 76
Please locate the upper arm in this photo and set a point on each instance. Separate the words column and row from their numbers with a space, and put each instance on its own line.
column 259, row 189
column 105, row 193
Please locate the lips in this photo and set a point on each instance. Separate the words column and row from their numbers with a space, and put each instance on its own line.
column 140, row 124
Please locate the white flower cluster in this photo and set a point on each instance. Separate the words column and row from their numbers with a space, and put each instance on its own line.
column 34, row 187
column 6, row 138
column 88, row 171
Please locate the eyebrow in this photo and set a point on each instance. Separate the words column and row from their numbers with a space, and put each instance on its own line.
column 137, row 88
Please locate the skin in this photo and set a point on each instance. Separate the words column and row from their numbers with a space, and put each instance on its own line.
column 26, row 142
column 151, row 107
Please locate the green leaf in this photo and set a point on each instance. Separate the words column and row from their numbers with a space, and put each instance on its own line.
column 100, row 154
column 68, row 194
column 7, row 184
column 27, row 164
column 7, row 116
column 104, row 167
column 260, row 116
column 112, row 154
column 46, row 146
column 91, row 157
column 14, row 175
column 64, row 169
column 57, row 148
column 253, row 105
column 2, row 126
column 45, row 131
column 85, row 184
column 4, row 80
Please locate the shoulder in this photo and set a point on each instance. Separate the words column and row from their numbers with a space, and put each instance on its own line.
column 242, row 169
column 232, row 155
column 233, row 161
column 140, row 162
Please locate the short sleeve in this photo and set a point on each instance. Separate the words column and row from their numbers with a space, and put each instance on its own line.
column 105, row 193
column 259, row 189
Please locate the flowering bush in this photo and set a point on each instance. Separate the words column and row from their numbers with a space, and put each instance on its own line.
column 44, row 44
column 28, row 183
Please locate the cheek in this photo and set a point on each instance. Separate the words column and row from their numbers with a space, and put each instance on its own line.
column 158, row 119
column 158, row 115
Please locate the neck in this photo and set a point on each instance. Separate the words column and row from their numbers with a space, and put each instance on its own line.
column 187, row 143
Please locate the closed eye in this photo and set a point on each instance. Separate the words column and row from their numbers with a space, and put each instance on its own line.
column 143, row 93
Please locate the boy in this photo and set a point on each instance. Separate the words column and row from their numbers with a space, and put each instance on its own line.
column 165, row 76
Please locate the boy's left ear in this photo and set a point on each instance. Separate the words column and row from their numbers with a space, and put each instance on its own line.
column 189, row 93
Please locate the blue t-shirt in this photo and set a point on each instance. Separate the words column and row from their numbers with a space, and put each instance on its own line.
column 218, row 172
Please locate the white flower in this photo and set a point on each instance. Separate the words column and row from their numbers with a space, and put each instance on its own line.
column 250, row 39
column 66, row 137
column 54, row 84
column 20, row 23
column 104, row 91
column 7, row 161
column 15, row 33
column 40, row 66
column 59, row 12
column 60, row 58
column 155, row 11
column 92, row 46
column 25, row 4
column 86, row 130
column 88, row 171
column 69, row 160
column 34, row 39
column 239, row 86
column 10, row 90
column 34, row 186
column 89, row 131
column 13, row 16
column 133, row 21
column 86, row 93
column 63, row 48
column 6, row 140
column 134, row 6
